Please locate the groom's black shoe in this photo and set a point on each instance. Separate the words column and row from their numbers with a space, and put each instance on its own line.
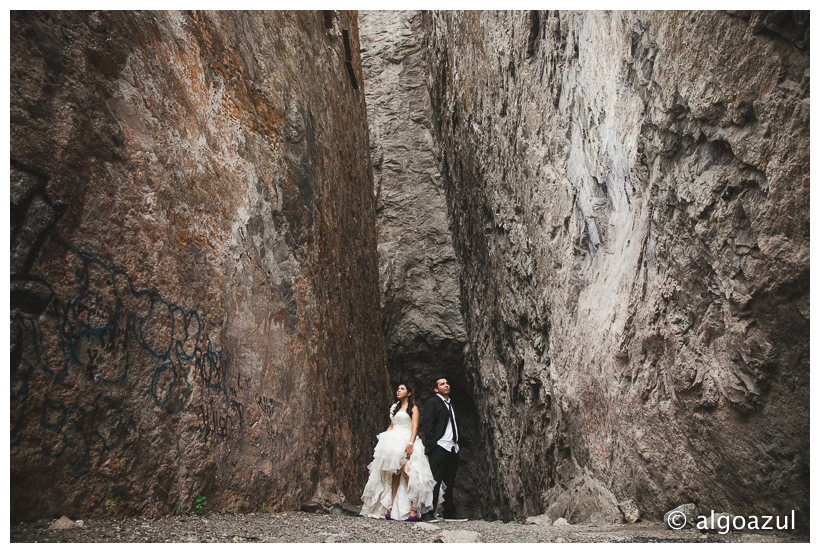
column 453, row 517
column 429, row 516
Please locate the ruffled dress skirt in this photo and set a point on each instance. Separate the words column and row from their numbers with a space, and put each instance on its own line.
column 388, row 458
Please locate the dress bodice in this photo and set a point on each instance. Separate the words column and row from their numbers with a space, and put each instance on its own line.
column 401, row 420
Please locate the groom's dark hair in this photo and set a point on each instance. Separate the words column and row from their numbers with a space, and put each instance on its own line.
column 435, row 382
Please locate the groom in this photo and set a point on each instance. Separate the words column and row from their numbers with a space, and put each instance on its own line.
column 441, row 447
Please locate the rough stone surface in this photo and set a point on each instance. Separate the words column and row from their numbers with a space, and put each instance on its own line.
column 194, row 273
column 420, row 305
column 583, row 497
column 629, row 194
column 682, row 516
column 630, row 510
column 561, row 521
column 459, row 536
column 426, row 526
column 540, row 520
column 612, row 516
column 62, row 523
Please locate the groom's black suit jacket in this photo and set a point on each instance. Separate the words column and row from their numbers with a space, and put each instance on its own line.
column 434, row 422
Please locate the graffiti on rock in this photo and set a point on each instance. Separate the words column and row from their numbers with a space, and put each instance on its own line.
column 108, row 340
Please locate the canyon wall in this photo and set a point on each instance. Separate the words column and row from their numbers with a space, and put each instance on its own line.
column 420, row 305
column 194, row 273
column 629, row 196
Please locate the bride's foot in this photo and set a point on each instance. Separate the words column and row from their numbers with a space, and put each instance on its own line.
column 412, row 516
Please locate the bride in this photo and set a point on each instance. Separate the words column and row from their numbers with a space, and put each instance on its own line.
column 400, row 486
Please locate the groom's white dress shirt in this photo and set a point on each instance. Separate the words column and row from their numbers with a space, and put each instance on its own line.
column 446, row 441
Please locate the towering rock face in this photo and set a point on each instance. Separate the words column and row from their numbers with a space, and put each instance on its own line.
column 421, row 313
column 193, row 262
column 630, row 203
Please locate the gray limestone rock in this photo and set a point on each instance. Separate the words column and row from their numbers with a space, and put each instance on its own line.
column 62, row 523
column 629, row 195
column 630, row 510
column 584, row 497
column 682, row 516
column 459, row 536
column 426, row 526
column 561, row 522
column 540, row 520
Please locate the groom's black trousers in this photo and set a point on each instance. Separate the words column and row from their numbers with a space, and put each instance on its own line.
column 444, row 465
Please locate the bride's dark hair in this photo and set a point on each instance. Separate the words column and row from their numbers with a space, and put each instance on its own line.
column 410, row 402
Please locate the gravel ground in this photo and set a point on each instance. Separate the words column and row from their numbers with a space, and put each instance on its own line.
column 299, row 527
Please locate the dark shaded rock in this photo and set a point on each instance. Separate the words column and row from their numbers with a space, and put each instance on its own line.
column 195, row 306
column 345, row 509
column 312, row 508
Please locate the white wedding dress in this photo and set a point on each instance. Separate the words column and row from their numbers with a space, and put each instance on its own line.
column 388, row 458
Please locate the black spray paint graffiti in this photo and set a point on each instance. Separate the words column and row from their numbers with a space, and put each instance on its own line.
column 109, row 319
column 220, row 423
column 266, row 404
column 107, row 328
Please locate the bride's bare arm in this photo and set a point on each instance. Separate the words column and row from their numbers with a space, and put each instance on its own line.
column 414, row 431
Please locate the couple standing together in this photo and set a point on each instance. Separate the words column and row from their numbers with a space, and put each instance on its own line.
column 408, row 476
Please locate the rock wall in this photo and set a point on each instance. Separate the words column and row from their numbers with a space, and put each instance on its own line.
column 194, row 275
column 420, row 304
column 630, row 203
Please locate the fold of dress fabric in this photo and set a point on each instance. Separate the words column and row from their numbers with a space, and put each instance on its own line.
column 388, row 458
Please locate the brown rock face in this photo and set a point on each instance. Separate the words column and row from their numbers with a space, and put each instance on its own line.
column 629, row 195
column 194, row 273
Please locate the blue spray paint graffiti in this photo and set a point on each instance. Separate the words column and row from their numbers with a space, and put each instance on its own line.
column 107, row 328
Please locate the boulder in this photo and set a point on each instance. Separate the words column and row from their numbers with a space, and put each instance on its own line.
column 561, row 522
column 584, row 496
column 682, row 516
column 540, row 520
column 345, row 509
column 62, row 523
column 630, row 510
